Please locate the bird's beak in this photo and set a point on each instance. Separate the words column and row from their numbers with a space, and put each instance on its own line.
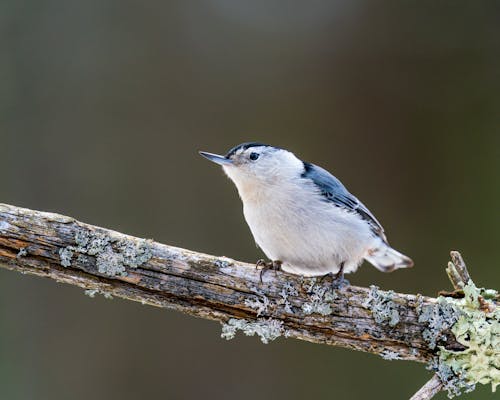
column 221, row 160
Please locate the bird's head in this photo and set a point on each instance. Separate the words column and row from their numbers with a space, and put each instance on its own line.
column 250, row 165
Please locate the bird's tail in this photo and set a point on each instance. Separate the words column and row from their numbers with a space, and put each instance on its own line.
column 386, row 259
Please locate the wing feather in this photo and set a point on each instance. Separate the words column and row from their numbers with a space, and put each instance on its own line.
column 335, row 192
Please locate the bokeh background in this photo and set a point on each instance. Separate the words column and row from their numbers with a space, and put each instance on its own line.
column 104, row 104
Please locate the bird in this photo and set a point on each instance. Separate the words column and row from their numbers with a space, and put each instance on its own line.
column 302, row 217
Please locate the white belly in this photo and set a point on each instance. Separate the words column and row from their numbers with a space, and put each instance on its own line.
column 310, row 240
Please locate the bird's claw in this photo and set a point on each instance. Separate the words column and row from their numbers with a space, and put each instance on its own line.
column 341, row 282
column 338, row 280
column 274, row 265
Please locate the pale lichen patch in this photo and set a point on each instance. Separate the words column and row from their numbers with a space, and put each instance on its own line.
column 110, row 263
column 453, row 383
column 112, row 254
column 222, row 263
column 479, row 332
column 474, row 322
column 92, row 244
column 286, row 291
column 65, row 255
column 267, row 329
column 259, row 303
column 23, row 252
column 384, row 310
column 320, row 298
column 134, row 253
column 439, row 317
column 92, row 293
column 390, row 355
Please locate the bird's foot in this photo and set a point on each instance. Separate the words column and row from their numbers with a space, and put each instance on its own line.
column 338, row 280
column 327, row 277
column 274, row 265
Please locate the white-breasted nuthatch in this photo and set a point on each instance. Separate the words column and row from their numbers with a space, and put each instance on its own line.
column 302, row 217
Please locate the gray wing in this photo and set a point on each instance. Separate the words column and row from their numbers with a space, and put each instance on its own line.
column 335, row 192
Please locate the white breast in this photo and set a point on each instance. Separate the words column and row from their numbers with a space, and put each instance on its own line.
column 293, row 223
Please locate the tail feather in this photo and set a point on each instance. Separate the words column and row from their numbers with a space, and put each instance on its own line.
column 386, row 259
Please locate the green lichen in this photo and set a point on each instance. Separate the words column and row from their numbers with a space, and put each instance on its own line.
column 267, row 329
column 112, row 254
column 384, row 310
column 477, row 328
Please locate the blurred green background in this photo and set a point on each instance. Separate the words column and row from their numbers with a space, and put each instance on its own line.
column 104, row 104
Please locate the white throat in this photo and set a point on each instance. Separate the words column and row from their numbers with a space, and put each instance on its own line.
column 250, row 189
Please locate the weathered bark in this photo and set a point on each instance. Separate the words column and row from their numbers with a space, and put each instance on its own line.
column 216, row 288
column 392, row 325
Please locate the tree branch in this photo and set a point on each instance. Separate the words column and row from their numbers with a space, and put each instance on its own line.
column 429, row 390
column 217, row 288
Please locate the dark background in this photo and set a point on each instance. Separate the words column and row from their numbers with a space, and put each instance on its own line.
column 104, row 104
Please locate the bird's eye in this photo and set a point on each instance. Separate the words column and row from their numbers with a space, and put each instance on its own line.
column 254, row 156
